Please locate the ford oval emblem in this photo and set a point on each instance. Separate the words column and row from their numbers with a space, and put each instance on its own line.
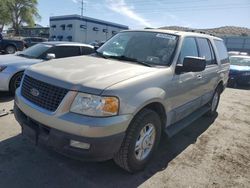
column 34, row 92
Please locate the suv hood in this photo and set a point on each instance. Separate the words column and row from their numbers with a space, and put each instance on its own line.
column 86, row 73
column 17, row 60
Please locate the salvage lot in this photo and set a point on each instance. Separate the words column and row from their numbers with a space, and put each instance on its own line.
column 208, row 153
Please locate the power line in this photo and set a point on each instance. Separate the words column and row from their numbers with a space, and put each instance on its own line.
column 197, row 9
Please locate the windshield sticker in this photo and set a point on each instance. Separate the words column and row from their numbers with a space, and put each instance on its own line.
column 166, row 36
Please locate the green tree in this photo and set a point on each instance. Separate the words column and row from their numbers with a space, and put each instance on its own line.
column 4, row 14
column 22, row 12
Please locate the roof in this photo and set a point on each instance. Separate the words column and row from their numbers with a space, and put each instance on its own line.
column 62, row 43
column 179, row 33
column 85, row 18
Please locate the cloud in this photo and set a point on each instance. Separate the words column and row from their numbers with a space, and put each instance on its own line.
column 79, row 1
column 119, row 6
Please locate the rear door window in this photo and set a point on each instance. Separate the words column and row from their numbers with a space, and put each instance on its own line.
column 189, row 48
column 205, row 50
column 221, row 48
column 65, row 51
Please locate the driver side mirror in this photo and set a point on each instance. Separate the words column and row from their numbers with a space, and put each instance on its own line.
column 191, row 64
column 50, row 56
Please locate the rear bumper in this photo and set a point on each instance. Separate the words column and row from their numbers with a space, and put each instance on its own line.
column 102, row 148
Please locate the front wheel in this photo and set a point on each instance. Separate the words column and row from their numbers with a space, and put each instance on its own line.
column 15, row 82
column 213, row 104
column 140, row 142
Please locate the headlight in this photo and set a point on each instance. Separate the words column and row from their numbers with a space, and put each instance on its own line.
column 93, row 105
column 246, row 74
column 2, row 68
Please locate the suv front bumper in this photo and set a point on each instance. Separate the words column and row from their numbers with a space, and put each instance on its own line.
column 100, row 148
column 57, row 129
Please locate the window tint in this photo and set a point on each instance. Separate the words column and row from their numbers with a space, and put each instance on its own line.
column 205, row 50
column 223, row 55
column 189, row 48
column 87, row 50
column 65, row 51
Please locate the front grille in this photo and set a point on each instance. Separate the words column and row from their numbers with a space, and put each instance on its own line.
column 46, row 96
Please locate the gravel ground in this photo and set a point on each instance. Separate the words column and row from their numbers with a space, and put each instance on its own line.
column 209, row 153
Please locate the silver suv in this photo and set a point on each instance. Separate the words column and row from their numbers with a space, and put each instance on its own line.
column 117, row 102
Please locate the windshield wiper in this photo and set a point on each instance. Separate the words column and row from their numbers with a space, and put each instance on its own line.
column 23, row 55
column 125, row 58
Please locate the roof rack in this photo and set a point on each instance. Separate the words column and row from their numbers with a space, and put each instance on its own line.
column 198, row 31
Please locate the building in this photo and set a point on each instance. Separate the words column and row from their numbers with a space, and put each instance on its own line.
column 82, row 29
column 37, row 31
column 237, row 43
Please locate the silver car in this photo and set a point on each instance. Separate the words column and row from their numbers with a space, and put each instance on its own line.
column 118, row 103
column 13, row 66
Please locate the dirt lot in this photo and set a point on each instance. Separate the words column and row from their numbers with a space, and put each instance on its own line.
column 209, row 153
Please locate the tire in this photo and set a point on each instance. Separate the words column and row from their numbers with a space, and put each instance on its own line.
column 127, row 156
column 214, row 102
column 15, row 82
column 10, row 49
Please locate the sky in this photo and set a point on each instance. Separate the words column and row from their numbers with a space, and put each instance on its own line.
column 138, row 14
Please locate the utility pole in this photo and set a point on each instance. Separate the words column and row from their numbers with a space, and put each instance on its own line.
column 82, row 8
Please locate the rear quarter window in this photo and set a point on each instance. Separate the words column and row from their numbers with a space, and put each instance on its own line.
column 222, row 51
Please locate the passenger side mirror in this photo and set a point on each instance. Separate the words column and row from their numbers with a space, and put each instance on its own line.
column 50, row 56
column 191, row 64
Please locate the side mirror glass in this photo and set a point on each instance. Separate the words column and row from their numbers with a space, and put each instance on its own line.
column 191, row 64
column 50, row 56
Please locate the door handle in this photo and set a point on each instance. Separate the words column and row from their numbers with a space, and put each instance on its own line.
column 199, row 76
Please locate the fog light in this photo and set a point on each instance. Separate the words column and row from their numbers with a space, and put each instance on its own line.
column 77, row 144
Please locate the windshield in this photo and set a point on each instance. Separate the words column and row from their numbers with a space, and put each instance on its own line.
column 150, row 48
column 35, row 51
column 240, row 61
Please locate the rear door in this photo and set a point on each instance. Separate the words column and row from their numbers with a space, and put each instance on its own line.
column 209, row 75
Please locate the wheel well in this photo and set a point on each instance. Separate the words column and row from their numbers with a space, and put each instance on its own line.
column 220, row 86
column 13, row 77
column 160, row 110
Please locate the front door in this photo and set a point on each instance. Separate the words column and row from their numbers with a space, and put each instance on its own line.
column 186, row 87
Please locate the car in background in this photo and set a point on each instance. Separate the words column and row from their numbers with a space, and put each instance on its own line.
column 31, row 41
column 11, row 46
column 231, row 53
column 239, row 71
column 13, row 66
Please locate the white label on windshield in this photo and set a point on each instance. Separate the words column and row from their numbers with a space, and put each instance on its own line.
column 166, row 36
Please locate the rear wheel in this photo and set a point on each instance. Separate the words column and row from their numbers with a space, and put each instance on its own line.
column 10, row 49
column 214, row 103
column 140, row 142
column 15, row 82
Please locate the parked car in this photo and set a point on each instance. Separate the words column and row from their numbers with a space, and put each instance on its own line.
column 117, row 105
column 233, row 53
column 11, row 46
column 13, row 66
column 31, row 41
column 239, row 71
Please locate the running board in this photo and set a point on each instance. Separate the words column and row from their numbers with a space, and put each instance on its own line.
column 178, row 126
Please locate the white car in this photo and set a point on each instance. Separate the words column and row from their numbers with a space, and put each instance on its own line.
column 13, row 66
